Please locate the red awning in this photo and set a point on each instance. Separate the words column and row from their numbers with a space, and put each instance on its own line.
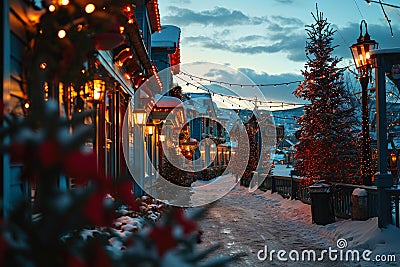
column 166, row 101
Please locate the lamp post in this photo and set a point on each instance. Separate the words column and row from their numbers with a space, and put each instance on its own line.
column 362, row 58
column 95, row 90
column 149, row 132
column 139, row 118
column 161, row 139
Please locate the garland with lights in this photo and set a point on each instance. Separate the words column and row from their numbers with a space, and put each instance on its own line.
column 191, row 76
column 253, row 101
column 328, row 149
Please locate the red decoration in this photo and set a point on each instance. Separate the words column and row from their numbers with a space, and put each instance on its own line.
column 107, row 40
column 123, row 192
column 188, row 226
column 163, row 238
column 50, row 153
column 82, row 166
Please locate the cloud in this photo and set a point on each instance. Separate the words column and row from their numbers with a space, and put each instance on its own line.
column 282, row 34
column 291, row 44
column 251, row 38
column 287, row 21
column 219, row 16
column 285, row 1
column 181, row 1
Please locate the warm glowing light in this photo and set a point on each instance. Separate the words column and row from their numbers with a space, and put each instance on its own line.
column 79, row 27
column 121, row 29
column 52, row 8
column 127, row 8
column 127, row 76
column 150, row 129
column 367, row 55
column 89, row 8
column 98, row 89
column 139, row 117
column 62, row 34
column 27, row 105
column 43, row 65
column 162, row 137
column 63, row 2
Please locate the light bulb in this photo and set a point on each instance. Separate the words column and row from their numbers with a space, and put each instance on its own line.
column 64, row 2
column 89, row 8
column 62, row 34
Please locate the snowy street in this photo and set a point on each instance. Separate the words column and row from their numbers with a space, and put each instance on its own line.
column 245, row 222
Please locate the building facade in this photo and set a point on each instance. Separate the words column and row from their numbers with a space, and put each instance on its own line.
column 121, row 63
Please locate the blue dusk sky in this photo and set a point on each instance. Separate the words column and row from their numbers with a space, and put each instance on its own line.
column 265, row 39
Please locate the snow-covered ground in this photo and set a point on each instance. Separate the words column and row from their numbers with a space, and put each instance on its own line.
column 246, row 222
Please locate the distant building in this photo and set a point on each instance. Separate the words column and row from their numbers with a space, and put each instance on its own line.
column 280, row 132
column 165, row 52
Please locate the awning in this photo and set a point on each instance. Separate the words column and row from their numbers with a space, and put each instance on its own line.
column 166, row 101
column 163, row 106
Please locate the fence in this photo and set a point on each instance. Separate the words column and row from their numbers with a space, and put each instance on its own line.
column 289, row 187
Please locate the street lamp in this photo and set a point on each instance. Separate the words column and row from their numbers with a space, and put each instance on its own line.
column 139, row 117
column 98, row 89
column 150, row 129
column 162, row 137
column 149, row 135
column 94, row 91
column 361, row 52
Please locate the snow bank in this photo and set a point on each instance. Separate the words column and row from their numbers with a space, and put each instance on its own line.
column 367, row 235
column 359, row 234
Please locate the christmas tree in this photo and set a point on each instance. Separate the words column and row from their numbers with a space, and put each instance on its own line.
column 328, row 148
column 252, row 128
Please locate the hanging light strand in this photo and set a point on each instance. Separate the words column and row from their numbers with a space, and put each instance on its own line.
column 238, row 84
column 227, row 97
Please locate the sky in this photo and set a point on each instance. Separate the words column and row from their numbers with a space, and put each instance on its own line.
column 265, row 39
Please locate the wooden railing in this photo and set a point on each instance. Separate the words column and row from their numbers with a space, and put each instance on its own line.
column 288, row 187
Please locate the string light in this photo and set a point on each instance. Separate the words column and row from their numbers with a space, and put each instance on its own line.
column 64, row 2
column 43, row 65
column 62, row 34
column 52, row 8
column 287, row 83
column 89, row 8
column 268, row 103
column 191, row 76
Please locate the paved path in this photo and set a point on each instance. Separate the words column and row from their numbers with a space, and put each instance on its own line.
column 245, row 222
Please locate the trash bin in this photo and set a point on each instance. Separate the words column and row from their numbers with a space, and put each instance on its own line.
column 359, row 204
column 321, row 203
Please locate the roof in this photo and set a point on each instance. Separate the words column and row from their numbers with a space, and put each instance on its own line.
column 166, row 101
column 168, row 38
column 154, row 15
